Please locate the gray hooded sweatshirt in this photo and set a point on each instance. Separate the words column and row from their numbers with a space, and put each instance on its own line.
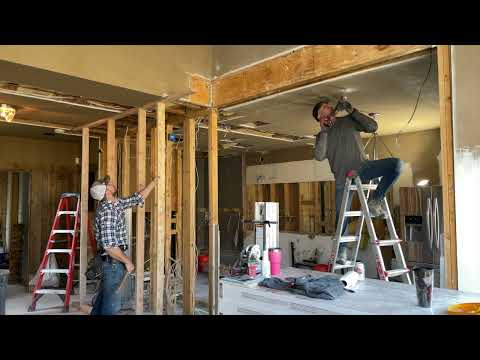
column 341, row 144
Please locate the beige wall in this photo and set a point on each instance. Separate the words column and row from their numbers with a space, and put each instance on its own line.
column 53, row 171
column 420, row 149
column 149, row 69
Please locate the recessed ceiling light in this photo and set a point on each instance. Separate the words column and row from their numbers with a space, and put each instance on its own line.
column 7, row 112
column 59, row 131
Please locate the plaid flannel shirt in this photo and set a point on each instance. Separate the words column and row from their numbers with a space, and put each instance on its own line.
column 110, row 226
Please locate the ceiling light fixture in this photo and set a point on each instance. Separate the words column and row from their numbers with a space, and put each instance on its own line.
column 7, row 112
column 423, row 182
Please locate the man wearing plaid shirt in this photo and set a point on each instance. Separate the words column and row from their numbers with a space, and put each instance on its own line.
column 111, row 235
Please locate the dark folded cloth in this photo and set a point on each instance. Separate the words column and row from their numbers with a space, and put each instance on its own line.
column 326, row 287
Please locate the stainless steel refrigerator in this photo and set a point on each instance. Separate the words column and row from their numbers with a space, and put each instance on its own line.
column 424, row 230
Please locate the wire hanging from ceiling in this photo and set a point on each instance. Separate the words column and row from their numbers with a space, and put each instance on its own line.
column 418, row 97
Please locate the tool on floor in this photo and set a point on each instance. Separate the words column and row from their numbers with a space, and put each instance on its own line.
column 68, row 211
column 354, row 184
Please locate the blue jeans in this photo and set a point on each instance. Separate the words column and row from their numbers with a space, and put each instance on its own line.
column 388, row 169
column 108, row 301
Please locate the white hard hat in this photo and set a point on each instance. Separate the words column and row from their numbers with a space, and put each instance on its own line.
column 97, row 191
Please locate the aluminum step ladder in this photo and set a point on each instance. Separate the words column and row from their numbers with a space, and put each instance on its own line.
column 68, row 210
column 354, row 184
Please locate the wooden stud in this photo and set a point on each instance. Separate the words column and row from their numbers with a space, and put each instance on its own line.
column 244, row 192
column 140, row 235
column 447, row 154
column 160, row 203
column 213, row 209
column 168, row 202
column 189, row 241
column 84, row 214
column 153, row 221
column 111, row 152
column 179, row 218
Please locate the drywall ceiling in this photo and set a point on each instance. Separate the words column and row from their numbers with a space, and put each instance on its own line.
column 391, row 91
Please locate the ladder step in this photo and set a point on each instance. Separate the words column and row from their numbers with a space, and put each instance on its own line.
column 353, row 213
column 59, row 251
column 51, row 291
column 388, row 242
column 364, row 187
column 55, row 271
column 396, row 272
column 347, row 239
column 66, row 212
column 58, row 241
column 349, row 264
column 63, row 232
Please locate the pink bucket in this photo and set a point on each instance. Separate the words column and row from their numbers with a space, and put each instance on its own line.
column 275, row 257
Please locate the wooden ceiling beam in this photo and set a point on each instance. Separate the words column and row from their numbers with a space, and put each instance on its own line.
column 304, row 66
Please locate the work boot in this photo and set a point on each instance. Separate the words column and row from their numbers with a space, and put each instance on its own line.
column 375, row 208
column 342, row 255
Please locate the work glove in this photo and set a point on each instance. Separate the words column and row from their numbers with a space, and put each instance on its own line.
column 344, row 105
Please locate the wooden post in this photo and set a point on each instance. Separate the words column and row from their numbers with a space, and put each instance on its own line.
column 111, row 152
column 179, row 223
column 168, row 202
column 153, row 221
column 140, row 238
column 189, row 243
column 160, row 202
column 447, row 154
column 213, row 209
column 84, row 215
column 244, row 193
column 126, row 189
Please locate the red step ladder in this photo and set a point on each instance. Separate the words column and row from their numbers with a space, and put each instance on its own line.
column 68, row 208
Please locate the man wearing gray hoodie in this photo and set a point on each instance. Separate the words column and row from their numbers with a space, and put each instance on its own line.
column 339, row 141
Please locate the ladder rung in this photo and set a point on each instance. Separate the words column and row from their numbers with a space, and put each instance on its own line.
column 63, row 232
column 55, row 271
column 364, row 187
column 59, row 251
column 388, row 242
column 51, row 291
column 346, row 239
column 349, row 264
column 66, row 212
column 353, row 213
column 58, row 241
column 396, row 272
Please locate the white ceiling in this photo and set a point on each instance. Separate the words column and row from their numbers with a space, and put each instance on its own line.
column 390, row 90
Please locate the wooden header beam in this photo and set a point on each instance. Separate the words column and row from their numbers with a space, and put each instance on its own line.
column 303, row 66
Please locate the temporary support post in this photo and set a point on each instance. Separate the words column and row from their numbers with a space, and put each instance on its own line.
column 140, row 236
column 189, row 241
column 213, row 209
column 160, row 202
column 126, row 189
column 111, row 152
column 168, row 201
column 84, row 215
column 153, row 220
column 179, row 223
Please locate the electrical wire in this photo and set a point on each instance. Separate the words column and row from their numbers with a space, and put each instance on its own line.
column 419, row 94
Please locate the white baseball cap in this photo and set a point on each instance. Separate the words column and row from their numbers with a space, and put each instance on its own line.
column 98, row 189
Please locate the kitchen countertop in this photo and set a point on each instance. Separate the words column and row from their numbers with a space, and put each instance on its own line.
column 371, row 297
